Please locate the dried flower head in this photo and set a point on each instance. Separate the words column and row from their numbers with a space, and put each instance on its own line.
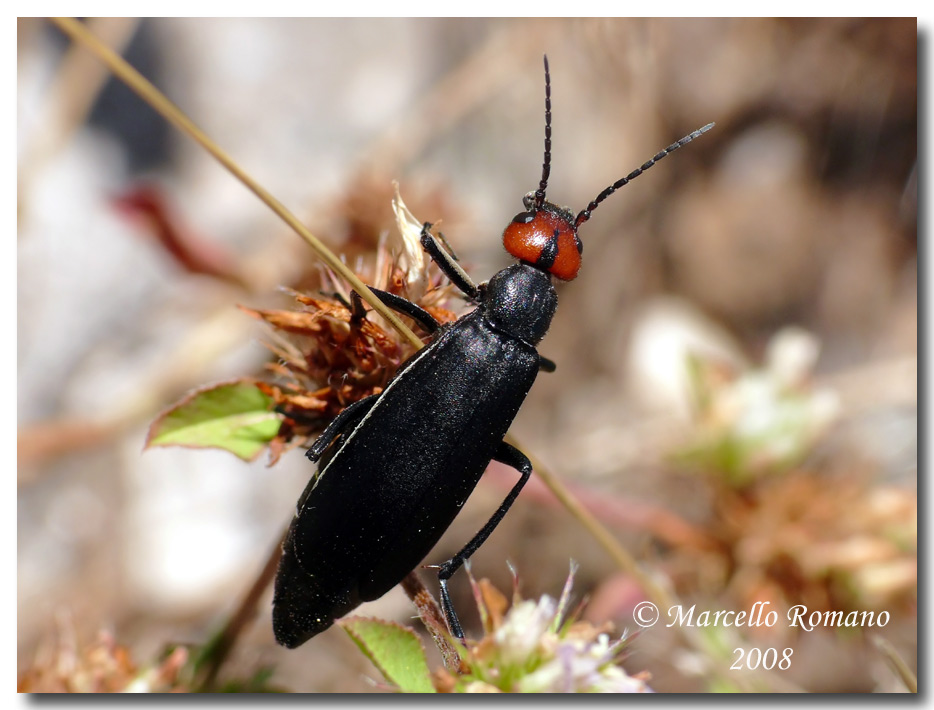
column 330, row 353
column 101, row 667
column 829, row 542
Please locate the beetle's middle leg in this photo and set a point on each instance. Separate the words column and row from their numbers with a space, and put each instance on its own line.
column 511, row 456
column 351, row 415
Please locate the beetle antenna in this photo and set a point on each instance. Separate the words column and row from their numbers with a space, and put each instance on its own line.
column 585, row 214
column 546, row 165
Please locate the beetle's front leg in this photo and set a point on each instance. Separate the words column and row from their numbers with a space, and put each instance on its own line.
column 447, row 264
column 511, row 456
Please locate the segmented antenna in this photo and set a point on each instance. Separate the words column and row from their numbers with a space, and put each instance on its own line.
column 585, row 214
column 546, row 165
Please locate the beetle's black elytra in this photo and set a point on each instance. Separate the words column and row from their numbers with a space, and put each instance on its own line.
column 396, row 468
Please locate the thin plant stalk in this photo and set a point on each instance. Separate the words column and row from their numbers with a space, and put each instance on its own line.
column 432, row 618
column 216, row 651
column 158, row 101
column 897, row 663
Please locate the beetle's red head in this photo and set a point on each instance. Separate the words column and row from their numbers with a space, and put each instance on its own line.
column 545, row 235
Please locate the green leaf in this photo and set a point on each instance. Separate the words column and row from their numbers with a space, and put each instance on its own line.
column 235, row 416
column 394, row 650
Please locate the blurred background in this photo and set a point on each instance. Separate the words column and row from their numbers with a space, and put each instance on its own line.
column 736, row 392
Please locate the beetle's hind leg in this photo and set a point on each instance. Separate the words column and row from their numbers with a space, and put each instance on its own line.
column 403, row 306
column 511, row 456
column 448, row 264
column 348, row 417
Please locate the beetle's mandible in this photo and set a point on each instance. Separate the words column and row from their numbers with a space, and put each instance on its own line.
column 394, row 469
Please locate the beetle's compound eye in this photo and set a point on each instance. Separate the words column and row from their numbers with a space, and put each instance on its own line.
column 546, row 239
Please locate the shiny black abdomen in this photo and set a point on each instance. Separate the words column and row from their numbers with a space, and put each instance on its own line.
column 398, row 479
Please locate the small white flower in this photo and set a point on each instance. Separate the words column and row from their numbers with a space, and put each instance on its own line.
column 523, row 628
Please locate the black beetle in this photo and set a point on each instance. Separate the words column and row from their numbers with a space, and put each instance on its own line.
column 395, row 468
